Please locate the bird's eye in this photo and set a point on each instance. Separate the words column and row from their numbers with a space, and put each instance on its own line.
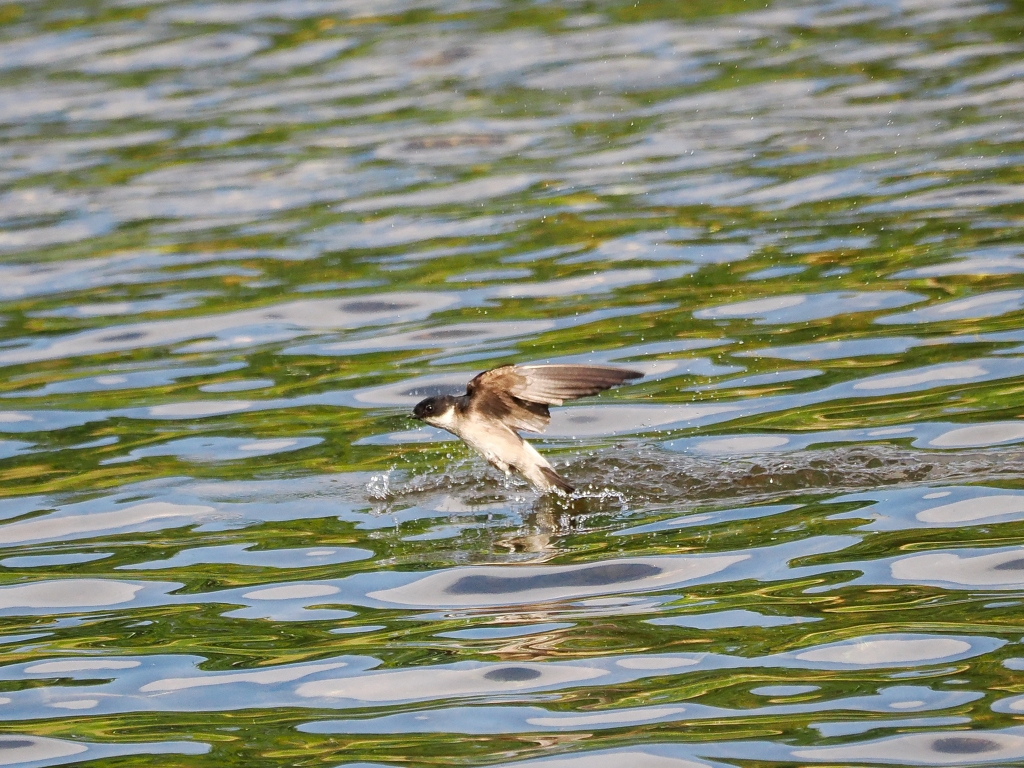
column 429, row 409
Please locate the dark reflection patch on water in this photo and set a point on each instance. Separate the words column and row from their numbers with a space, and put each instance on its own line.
column 598, row 575
column 964, row 745
column 1011, row 565
column 512, row 674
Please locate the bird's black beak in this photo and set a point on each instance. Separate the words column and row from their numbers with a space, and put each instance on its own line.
column 420, row 410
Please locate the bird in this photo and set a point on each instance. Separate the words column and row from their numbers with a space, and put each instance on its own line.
column 502, row 401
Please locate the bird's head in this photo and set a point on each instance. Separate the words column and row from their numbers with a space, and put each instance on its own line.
column 436, row 411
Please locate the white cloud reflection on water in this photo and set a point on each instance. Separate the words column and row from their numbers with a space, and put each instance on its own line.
column 150, row 515
column 28, row 749
column 803, row 307
column 993, row 433
column 613, row 759
column 936, row 748
column 501, row 585
column 65, row 594
column 1003, row 569
column 412, row 684
column 983, row 305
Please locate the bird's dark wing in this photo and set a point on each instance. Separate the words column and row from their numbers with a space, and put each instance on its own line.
column 520, row 395
column 491, row 394
column 554, row 384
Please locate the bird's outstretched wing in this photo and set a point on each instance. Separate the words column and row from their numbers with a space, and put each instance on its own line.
column 519, row 395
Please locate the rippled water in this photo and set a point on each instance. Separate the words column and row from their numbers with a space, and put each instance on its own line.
column 238, row 241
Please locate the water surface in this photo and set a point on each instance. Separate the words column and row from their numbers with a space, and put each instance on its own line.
column 239, row 241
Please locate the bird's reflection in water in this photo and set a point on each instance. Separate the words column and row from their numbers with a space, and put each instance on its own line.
column 461, row 491
column 546, row 517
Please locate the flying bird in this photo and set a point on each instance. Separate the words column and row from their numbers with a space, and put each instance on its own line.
column 502, row 401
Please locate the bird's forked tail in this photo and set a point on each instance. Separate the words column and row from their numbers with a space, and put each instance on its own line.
column 556, row 480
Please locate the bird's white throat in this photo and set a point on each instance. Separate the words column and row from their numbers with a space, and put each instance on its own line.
column 445, row 419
